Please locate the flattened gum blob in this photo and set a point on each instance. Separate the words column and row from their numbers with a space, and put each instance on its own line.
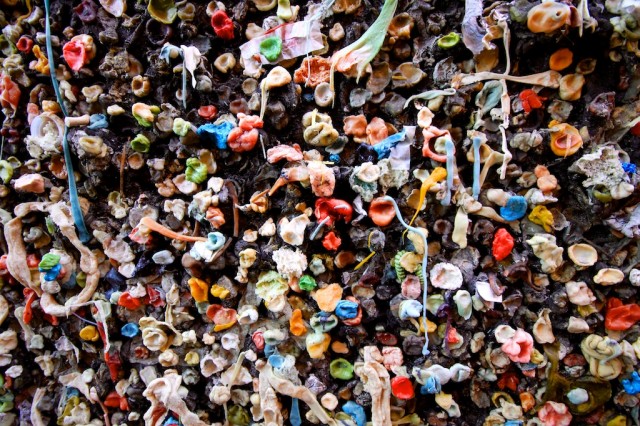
column 327, row 298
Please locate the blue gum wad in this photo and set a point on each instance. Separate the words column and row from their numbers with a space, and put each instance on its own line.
column 346, row 309
column 431, row 386
column 294, row 417
column 130, row 329
column 356, row 411
column 276, row 360
column 216, row 133
column 50, row 265
column 632, row 384
column 98, row 121
column 383, row 149
column 515, row 209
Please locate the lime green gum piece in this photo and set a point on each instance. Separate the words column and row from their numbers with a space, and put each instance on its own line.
column 448, row 41
column 307, row 283
column 196, row 171
column 340, row 368
column 271, row 48
column 181, row 127
column 49, row 260
column 140, row 143
column 6, row 171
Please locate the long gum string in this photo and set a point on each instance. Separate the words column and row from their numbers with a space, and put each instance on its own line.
column 369, row 256
column 476, row 167
column 450, row 147
column 73, row 191
column 425, row 260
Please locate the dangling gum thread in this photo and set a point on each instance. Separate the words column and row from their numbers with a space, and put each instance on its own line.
column 156, row 227
column 94, row 397
column 73, row 192
column 437, row 175
column 30, row 9
column 476, row 167
column 425, row 260
column 264, row 97
column 234, row 376
column 388, row 10
column 505, row 101
column 450, row 148
column 325, row 220
column 319, row 227
column 184, row 82
column 366, row 259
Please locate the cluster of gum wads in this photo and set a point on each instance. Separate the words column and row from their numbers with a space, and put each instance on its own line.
column 344, row 212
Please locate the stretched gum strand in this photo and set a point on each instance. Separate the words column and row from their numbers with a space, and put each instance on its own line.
column 73, row 191
column 425, row 260
column 369, row 256
column 437, row 175
column 156, row 227
column 325, row 220
column 476, row 167
column 450, row 148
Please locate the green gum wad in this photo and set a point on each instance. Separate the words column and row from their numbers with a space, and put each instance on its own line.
column 155, row 110
column 448, row 41
column 271, row 48
column 341, row 369
column 140, row 144
column 181, row 127
column 196, row 171
column 602, row 194
column 6, row 402
column 81, row 279
column 6, row 171
column 164, row 11
column 307, row 283
column 238, row 416
column 49, row 260
column 558, row 386
column 72, row 403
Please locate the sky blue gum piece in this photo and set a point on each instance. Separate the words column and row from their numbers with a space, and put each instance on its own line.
column 632, row 384
column 98, row 121
column 215, row 133
column 276, row 360
column 431, row 386
column 294, row 417
column 476, row 167
column 346, row 309
column 383, row 149
column 51, row 274
column 515, row 209
column 356, row 411
column 130, row 330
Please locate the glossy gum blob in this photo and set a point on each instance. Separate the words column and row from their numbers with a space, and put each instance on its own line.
column 222, row 25
column 548, row 17
column 502, row 244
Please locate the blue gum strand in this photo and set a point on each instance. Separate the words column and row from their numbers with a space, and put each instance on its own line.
column 83, row 234
column 476, row 167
